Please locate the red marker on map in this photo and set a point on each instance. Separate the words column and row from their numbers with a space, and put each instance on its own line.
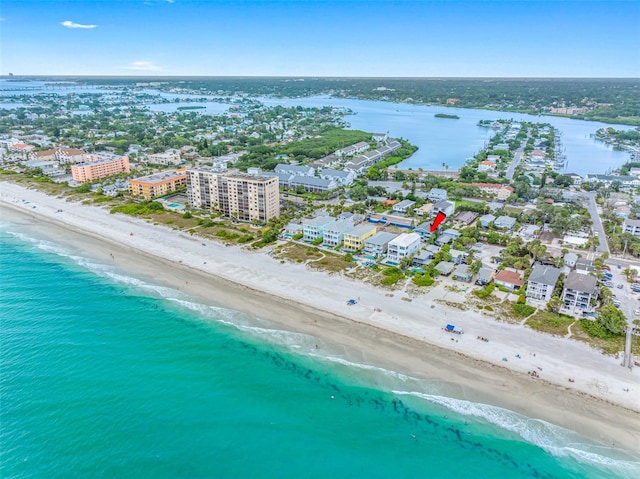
column 440, row 217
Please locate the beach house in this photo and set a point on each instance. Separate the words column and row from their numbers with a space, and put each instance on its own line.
column 354, row 238
column 443, row 206
column 402, row 247
column 462, row 272
column 334, row 233
column 579, row 290
column 504, row 222
column 314, row 228
column 403, row 206
column 541, row 282
column 509, row 279
column 377, row 245
column 485, row 276
column 424, row 230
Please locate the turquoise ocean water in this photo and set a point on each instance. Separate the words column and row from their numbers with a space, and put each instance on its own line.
column 104, row 375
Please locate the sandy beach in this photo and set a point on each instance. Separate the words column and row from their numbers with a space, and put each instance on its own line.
column 603, row 402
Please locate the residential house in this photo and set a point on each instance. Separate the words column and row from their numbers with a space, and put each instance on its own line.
column 577, row 179
column 312, row 184
column 437, row 194
column 403, row 206
column 314, row 228
column 422, row 258
column 292, row 229
column 504, row 222
column 570, row 259
column 444, row 206
column 377, row 245
column 354, row 238
column 509, row 279
column 445, row 267
column 485, row 276
column 466, row 217
column 402, row 247
column 443, row 240
column 462, row 272
column 424, row 210
column 631, row 227
column 585, row 266
column 296, row 170
column 625, row 182
column 486, row 165
column 542, row 282
column 458, row 256
column 424, row 230
column 380, row 137
column 341, row 177
column 485, row 220
column 529, row 232
column 579, row 290
column 334, row 233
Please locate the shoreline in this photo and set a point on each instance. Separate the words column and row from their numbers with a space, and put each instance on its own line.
column 295, row 299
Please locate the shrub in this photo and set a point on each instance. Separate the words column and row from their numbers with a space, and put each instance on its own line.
column 423, row 279
column 187, row 215
column 523, row 310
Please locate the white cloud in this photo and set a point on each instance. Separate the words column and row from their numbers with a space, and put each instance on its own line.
column 143, row 66
column 70, row 24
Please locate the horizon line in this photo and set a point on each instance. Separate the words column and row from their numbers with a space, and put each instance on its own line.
column 27, row 76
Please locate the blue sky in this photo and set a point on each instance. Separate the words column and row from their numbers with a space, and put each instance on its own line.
column 386, row 38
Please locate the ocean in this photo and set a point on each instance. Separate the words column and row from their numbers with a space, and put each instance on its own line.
column 105, row 375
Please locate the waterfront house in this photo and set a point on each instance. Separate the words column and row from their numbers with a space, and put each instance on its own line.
column 334, row 233
column 422, row 258
column 292, row 229
column 579, row 290
column 486, row 166
column 437, row 194
column 355, row 237
column 542, row 282
column 377, row 245
column 485, row 276
column 509, row 279
column 462, row 272
column 314, row 228
column 445, row 267
column 402, row 247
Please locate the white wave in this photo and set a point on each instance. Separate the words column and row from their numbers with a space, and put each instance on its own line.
column 556, row 440
column 366, row 367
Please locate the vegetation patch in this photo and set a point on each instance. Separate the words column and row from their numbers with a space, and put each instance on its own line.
column 549, row 322
column 523, row 310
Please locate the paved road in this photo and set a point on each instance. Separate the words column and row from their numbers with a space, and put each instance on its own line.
column 597, row 223
column 516, row 159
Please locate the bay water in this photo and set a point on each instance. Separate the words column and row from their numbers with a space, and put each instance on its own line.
column 103, row 374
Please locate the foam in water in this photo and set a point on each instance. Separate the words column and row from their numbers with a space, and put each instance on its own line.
column 553, row 439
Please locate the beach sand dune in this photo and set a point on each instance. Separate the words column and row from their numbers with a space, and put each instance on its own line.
column 602, row 402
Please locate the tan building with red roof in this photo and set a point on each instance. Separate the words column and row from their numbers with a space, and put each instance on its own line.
column 509, row 279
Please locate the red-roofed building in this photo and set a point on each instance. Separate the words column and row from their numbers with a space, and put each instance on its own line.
column 509, row 279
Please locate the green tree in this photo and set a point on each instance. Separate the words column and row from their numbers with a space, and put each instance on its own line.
column 612, row 319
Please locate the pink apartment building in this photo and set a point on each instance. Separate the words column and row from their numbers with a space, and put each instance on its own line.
column 101, row 167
